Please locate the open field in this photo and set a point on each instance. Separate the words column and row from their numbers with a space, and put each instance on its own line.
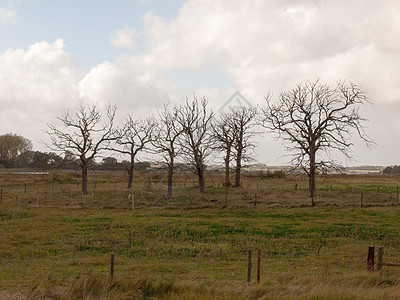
column 195, row 246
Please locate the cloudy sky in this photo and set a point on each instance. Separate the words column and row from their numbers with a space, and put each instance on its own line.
column 139, row 54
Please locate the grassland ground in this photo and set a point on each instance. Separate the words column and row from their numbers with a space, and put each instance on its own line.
column 194, row 246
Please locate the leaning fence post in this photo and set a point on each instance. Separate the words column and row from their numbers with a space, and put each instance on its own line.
column 379, row 263
column 249, row 266
column 112, row 266
column 258, row 265
column 370, row 259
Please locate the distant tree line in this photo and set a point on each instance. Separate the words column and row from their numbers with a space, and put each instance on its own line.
column 391, row 170
column 313, row 120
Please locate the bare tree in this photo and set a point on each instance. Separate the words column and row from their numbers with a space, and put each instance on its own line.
column 165, row 141
column 133, row 138
column 84, row 135
column 233, row 134
column 224, row 136
column 196, row 139
column 243, row 122
column 314, row 118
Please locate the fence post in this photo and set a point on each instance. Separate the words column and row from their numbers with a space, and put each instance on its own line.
column 133, row 201
column 1, row 194
column 249, row 266
column 258, row 265
column 255, row 199
column 370, row 259
column 362, row 198
column 397, row 194
column 379, row 263
column 112, row 266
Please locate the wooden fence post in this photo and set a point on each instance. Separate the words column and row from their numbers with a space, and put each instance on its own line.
column 255, row 199
column 112, row 266
column 397, row 194
column 370, row 259
column 1, row 194
column 362, row 199
column 249, row 266
column 379, row 263
column 258, row 265
column 133, row 201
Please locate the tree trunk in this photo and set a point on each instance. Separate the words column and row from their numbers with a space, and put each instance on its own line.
column 238, row 168
column 202, row 181
column 84, row 168
column 200, row 171
column 170, row 175
column 311, row 177
column 130, row 172
column 227, row 175
column 200, row 176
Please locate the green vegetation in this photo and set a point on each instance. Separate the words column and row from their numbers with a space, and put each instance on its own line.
column 195, row 246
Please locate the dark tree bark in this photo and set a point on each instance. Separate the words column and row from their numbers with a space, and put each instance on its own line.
column 83, row 135
column 84, row 171
column 170, row 176
column 314, row 121
column 244, row 123
column 166, row 142
column 223, row 136
column 233, row 133
column 133, row 138
column 196, row 141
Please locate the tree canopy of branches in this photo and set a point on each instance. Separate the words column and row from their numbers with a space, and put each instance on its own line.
column 233, row 133
column 166, row 141
column 223, row 134
column 196, row 141
column 84, row 135
column 14, row 150
column 132, row 138
column 314, row 118
column 243, row 122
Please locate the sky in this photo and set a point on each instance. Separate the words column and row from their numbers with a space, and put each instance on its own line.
column 140, row 54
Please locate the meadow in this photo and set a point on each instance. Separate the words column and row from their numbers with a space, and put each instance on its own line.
column 194, row 246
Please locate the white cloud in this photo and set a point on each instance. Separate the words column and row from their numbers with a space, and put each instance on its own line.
column 7, row 15
column 261, row 47
column 124, row 38
column 35, row 84
column 132, row 93
column 272, row 45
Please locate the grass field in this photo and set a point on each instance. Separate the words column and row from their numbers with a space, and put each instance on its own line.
column 195, row 245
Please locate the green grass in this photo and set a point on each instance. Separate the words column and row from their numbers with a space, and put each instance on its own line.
column 181, row 250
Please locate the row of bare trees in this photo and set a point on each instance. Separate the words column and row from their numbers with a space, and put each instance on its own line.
column 311, row 118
